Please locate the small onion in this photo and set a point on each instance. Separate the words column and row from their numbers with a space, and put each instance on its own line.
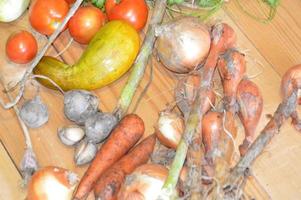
column 34, row 113
column 52, row 183
column 144, row 183
column 70, row 135
column 183, row 44
column 79, row 105
column 170, row 127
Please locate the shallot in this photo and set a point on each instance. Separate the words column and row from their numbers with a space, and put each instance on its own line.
column 250, row 102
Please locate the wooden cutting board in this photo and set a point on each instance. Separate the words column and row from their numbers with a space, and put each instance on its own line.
column 270, row 48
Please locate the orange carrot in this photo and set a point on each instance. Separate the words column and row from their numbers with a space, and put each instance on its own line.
column 124, row 136
column 109, row 183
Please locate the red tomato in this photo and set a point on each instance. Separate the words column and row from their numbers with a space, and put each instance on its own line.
column 46, row 15
column 133, row 11
column 85, row 23
column 21, row 47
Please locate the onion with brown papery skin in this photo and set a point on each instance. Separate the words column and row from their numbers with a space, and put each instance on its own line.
column 170, row 127
column 232, row 68
column 185, row 94
column 144, row 183
column 250, row 103
column 52, row 183
column 183, row 44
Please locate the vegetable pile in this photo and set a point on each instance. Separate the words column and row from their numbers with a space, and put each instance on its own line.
column 192, row 149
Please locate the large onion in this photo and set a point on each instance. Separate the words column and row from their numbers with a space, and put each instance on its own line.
column 144, row 183
column 183, row 44
column 52, row 183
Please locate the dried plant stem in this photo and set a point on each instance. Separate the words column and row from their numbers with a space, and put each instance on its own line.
column 141, row 61
column 29, row 154
column 22, row 124
column 192, row 139
column 37, row 59
column 239, row 172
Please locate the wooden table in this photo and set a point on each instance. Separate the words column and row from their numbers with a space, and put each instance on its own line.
column 270, row 48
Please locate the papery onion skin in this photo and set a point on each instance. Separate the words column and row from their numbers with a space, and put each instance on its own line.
column 250, row 102
column 185, row 94
column 212, row 127
column 170, row 128
column 232, row 69
column 136, row 185
column 290, row 81
column 51, row 183
column 183, row 44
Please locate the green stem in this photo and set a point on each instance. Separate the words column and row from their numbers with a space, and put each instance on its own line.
column 271, row 15
column 178, row 162
column 139, row 67
column 191, row 129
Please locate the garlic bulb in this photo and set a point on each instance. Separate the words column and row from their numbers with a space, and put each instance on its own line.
column 70, row 135
column 34, row 113
column 99, row 126
column 85, row 152
column 79, row 105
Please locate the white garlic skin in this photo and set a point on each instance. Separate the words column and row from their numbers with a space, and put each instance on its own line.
column 71, row 135
column 79, row 105
column 34, row 113
column 85, row 152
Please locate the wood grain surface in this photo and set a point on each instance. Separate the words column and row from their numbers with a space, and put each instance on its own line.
column 270, row 48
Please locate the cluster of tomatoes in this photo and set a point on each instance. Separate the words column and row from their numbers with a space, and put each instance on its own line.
column 45, row 16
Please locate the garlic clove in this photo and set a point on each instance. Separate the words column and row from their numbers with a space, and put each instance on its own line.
column 85, row 152
column 71, row 135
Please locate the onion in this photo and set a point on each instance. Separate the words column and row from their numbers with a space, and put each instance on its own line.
column 170, row 128
column 144, row 183
column 183, row 44
column 52, row 183
column 10, row 10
